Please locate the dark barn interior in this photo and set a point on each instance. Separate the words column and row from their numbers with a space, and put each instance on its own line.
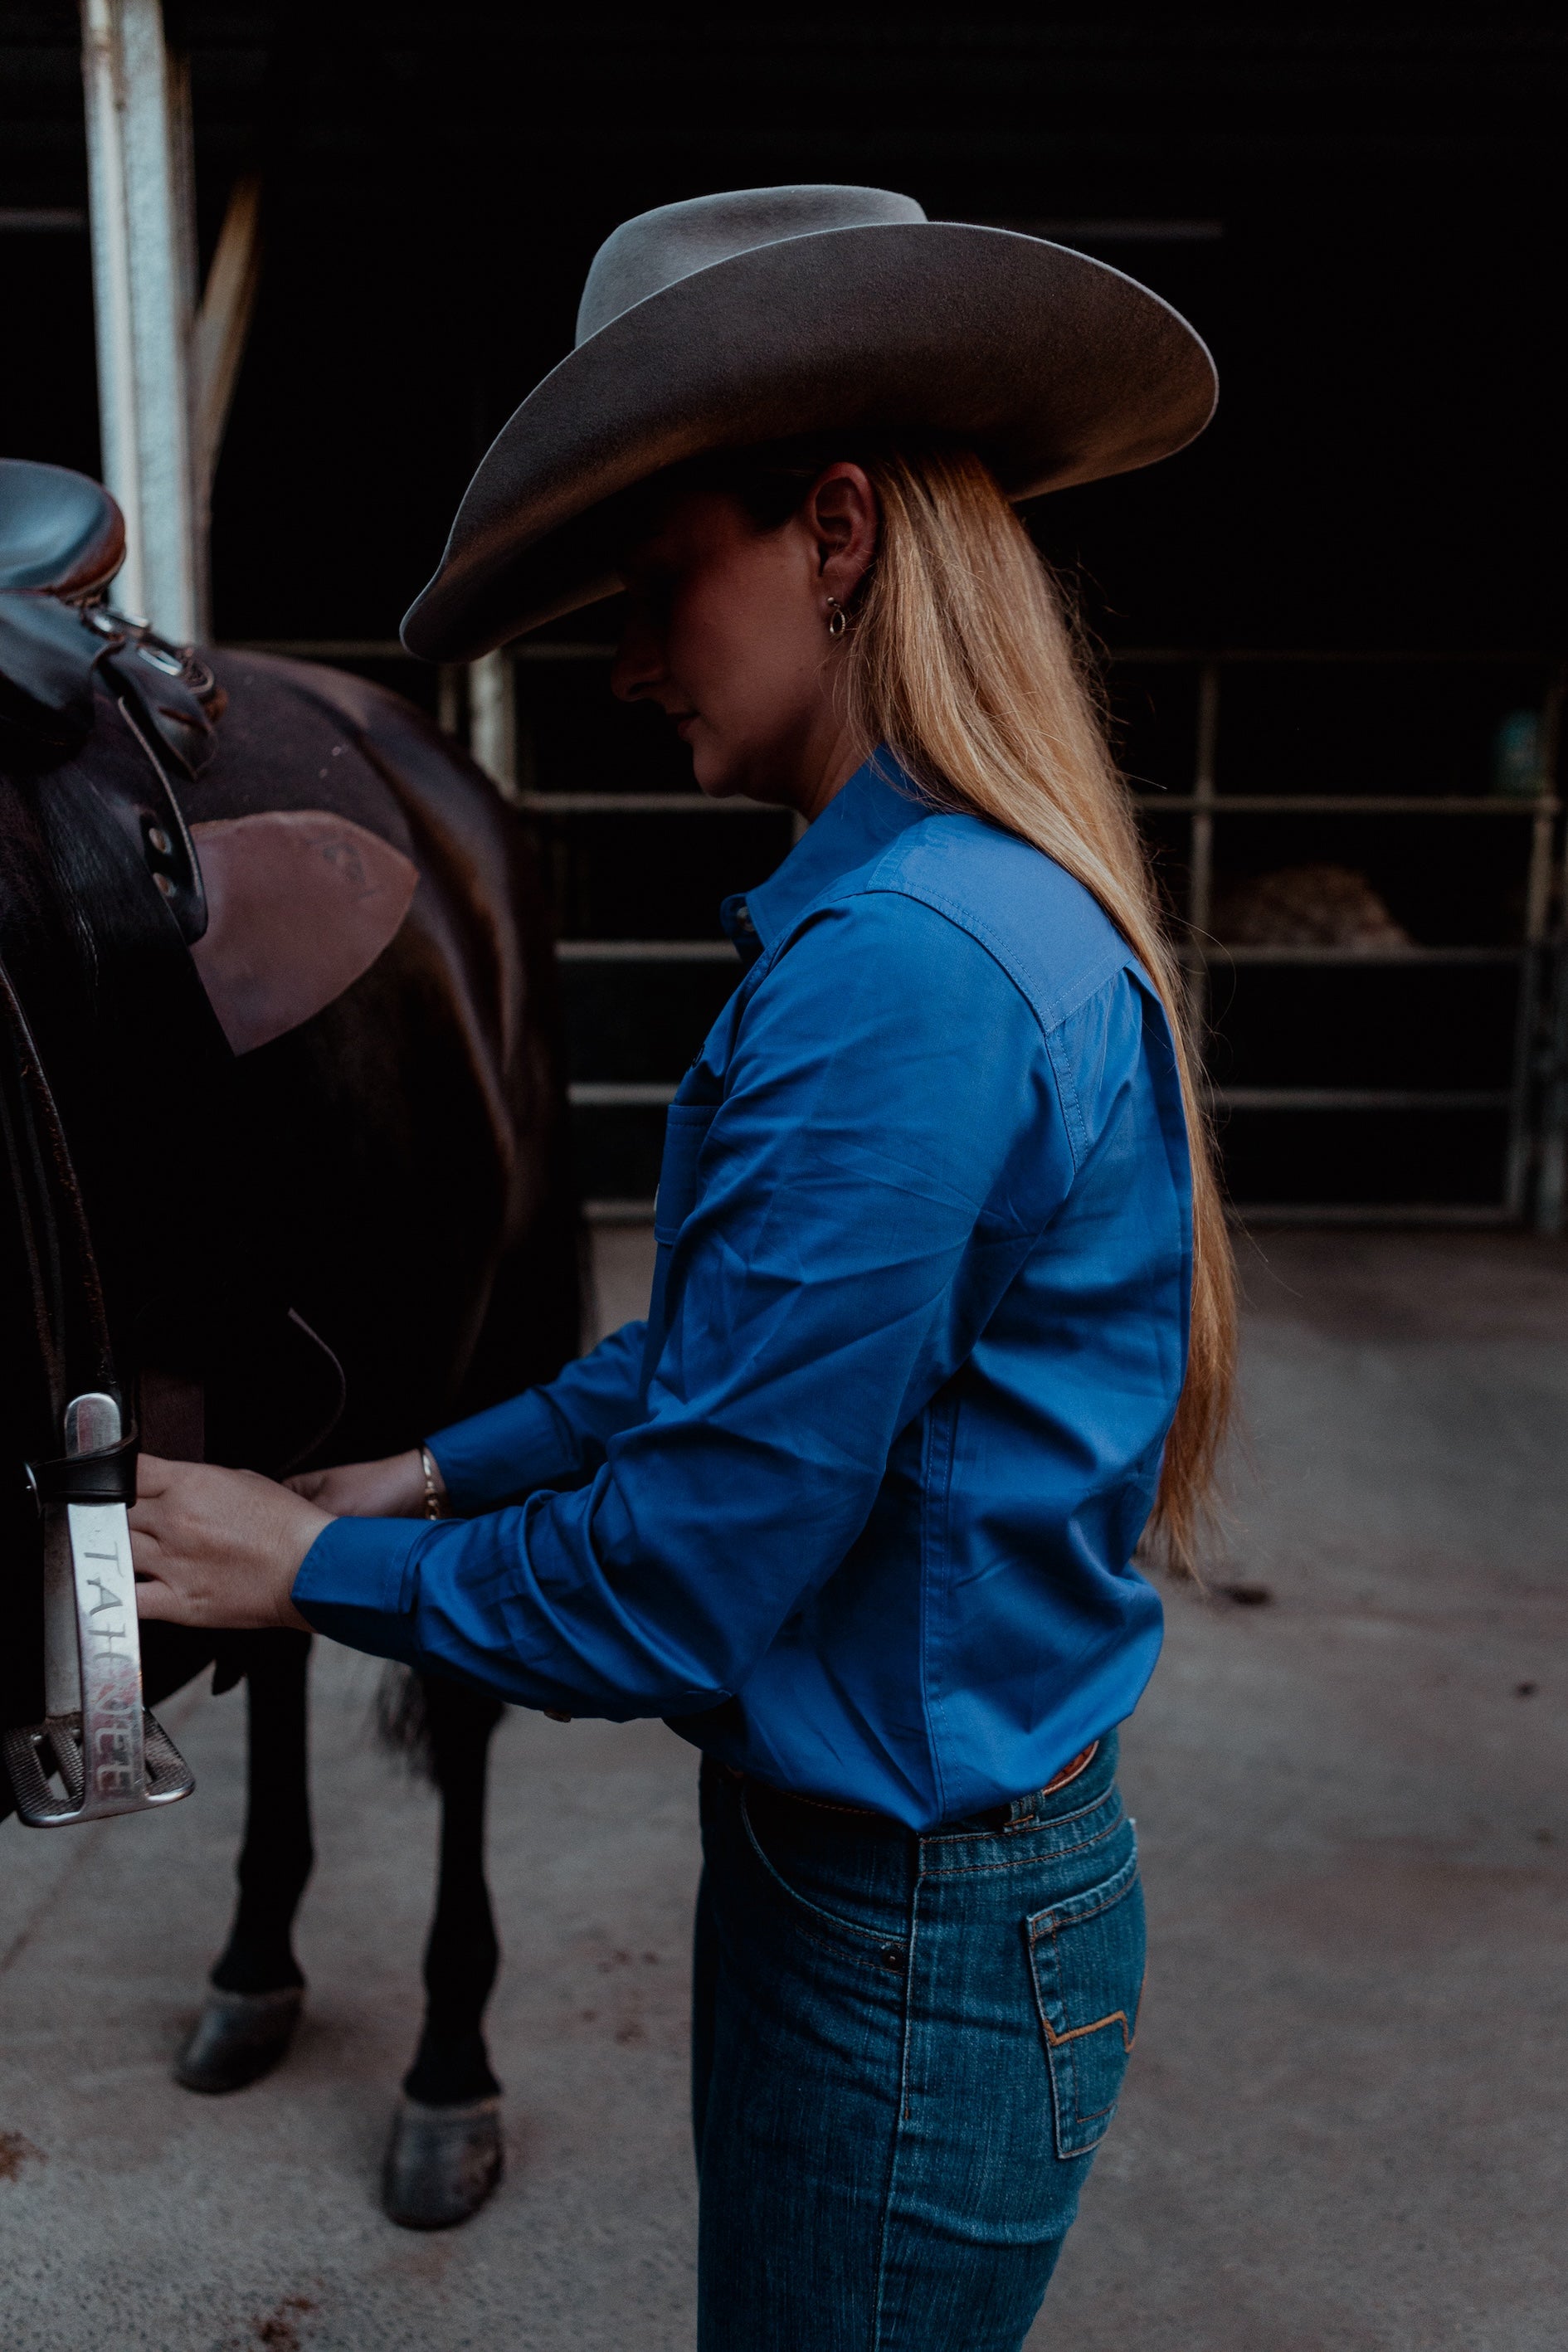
column 1332, row 638
column 1337, row 618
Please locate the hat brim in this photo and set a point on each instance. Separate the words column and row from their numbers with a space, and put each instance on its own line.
column 1055, row 368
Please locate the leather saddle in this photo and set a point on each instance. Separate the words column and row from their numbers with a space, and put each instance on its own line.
column 296, row 904
column 62, row 538
column 59, row 532
column 90, row 813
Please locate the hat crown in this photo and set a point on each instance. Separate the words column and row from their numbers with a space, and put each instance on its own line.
column 659, row 248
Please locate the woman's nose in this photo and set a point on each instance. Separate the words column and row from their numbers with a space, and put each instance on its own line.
column 638, row 664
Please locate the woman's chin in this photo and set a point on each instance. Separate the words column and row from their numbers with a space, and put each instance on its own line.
column 713, row 774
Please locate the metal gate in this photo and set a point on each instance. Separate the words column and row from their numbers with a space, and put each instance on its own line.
column 1419, row 1082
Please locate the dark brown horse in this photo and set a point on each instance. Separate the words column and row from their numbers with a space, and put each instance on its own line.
column 287, row 1180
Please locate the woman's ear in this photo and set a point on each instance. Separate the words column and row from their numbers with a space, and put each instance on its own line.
column 840, row 511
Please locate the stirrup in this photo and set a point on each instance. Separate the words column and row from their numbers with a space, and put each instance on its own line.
column 165, row 1775
column 110, row 1753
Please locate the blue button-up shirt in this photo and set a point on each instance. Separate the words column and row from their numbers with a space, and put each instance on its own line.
column 854, row 1508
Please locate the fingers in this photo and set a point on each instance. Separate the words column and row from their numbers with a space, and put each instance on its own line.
column 157, row 1604
column 153, row 1474
column 164, row 1490
column 220, row 1547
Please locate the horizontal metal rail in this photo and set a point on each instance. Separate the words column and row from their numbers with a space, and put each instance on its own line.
column 1172, row 803
column 615, row 1093
column 391, row 649
column 617, row 1212
column 646, row 951
column 618, row 1094
column 1455, row 804
column 1361, row 1097
column 1308, row 657
column 320, row 648
column 1241, row 1213
column 1217, row 953
column 644, row 804
column 1364, row 1213
column 25, row 220
column 1349, row 804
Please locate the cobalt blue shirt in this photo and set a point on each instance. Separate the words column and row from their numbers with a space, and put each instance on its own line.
column 855, row 1509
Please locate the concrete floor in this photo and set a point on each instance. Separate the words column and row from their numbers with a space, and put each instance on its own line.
column 1344, row 2125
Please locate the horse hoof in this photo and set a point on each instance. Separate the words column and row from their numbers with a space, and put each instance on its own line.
column 441, row 2162
column 237, row 2038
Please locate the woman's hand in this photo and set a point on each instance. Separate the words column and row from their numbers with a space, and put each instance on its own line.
column 392, row 1488
column 218, row 1548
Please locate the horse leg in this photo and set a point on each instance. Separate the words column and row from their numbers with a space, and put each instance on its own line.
column 445, row 2156
column 258, row 1988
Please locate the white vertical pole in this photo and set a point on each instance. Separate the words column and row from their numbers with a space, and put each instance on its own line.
column 138, row 177
column 492, row 719
column 101, row 76
column 449, row 697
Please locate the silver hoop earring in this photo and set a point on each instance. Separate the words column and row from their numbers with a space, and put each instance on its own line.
column 838, row 618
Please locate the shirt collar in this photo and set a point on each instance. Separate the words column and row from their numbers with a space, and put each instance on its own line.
column 873, row 808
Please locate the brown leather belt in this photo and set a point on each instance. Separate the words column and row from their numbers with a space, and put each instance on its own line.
column 993, row 1817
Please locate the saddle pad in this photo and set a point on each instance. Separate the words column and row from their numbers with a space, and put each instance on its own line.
column 299, row 903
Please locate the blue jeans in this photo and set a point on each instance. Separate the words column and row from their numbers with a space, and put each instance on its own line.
column 905, row 2051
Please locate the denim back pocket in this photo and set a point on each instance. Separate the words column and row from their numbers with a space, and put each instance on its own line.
column 1086, row 1955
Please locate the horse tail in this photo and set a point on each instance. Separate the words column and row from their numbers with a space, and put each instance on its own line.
column 402, row 1719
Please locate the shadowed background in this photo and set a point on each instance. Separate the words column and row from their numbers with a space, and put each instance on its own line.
column 1342, row 2128
column 1359, row 209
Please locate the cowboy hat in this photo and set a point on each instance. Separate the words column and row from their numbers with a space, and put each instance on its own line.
column 770, row 313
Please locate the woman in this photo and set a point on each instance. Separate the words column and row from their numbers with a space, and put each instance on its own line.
column 941, row 1315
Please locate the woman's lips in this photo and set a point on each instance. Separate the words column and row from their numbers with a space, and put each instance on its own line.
column 684, row 720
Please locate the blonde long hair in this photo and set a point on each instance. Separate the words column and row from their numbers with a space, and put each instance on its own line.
column 960, row 659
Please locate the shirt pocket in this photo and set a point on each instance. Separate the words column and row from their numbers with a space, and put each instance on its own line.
column 685, row 1130
column 686, row 1127
column 1086, row 1956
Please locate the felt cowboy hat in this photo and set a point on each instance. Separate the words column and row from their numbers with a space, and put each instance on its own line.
column 771, row 313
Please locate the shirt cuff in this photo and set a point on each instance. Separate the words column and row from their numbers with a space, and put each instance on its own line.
column 357, row 1583
column 513, row 1449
